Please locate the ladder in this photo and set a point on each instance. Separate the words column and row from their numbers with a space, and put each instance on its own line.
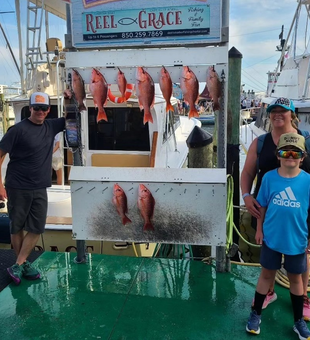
column 34, row 56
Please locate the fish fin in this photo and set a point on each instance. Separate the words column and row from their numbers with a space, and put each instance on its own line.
column 101, row 115
column 216, row 106
column 125, row 220
column 148, row 226
column 193, row 113
column 169, row 107
column 147, row 117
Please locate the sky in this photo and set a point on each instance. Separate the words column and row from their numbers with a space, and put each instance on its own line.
column 254, row 31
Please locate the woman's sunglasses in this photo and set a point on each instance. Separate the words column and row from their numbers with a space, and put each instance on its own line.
column 39, row 107
column 288, row 153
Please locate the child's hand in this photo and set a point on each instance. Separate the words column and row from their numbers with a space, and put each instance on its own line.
column 259, row 237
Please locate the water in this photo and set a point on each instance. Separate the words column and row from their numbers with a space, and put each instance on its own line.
column 208, row 128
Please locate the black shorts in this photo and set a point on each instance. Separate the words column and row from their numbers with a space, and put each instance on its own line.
column 271, row 260
column 27, row 210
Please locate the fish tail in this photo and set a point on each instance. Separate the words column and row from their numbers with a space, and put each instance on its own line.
column 101, row 115
column 216, row 106
column 147, row 117
column 148, row 226
column 193, row 113
column 125, row 220
column 169, row 107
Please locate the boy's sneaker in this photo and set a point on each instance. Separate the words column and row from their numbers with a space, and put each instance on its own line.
column 252, row 325
column 300, row 327
column 306, row 309
column 16, row 273
column 270, row 297
column 30, row 272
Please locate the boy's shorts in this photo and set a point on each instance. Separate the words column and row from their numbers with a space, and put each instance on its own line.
column 27, row 210
column 271, row 260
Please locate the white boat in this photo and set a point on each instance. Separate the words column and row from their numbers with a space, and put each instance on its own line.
column 290, row 79
column 123, row 141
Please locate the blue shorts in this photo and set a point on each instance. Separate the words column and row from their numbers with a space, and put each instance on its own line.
column 271, row 260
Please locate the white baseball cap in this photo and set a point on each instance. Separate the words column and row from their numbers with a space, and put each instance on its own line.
column 39, row 98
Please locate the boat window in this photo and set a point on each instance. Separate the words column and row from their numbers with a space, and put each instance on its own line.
column 173, row 117
column 25, row 113
column 124, row 130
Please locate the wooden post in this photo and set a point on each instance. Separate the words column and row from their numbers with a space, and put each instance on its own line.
column 200, row 155
column 233, row 126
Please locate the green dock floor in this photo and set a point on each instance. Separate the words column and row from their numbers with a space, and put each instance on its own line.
column 115, row 297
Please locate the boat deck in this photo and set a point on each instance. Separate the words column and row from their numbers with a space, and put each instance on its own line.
column 116, row 297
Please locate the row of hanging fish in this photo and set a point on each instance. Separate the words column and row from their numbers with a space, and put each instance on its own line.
column 145, row 90
column 146, row 204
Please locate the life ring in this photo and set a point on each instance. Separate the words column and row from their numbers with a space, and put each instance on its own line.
column 115, row 99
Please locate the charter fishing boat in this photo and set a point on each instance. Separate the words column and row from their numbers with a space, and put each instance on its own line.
column 113, row 297
column 123, row 140
column 290, row 78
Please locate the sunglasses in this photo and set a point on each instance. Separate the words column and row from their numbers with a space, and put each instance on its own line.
column 40, row 107
column 288, row 153
column 282, row 112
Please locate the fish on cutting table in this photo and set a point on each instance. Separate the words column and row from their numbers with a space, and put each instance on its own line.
column 99, row 90
column 165, row 84
column 145, row 90
column 120, row 201
column 190, row 89
column 214, row 87
column 146, row 204
column 78, row 89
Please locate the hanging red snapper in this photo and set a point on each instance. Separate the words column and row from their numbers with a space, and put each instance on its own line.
column 99, row 90
column 122, row 83
column 214, row 87
column 120, row 201
column 165, row 84
column 78, row 89
column 146, row 204
column 146, row 93
column 190, row 87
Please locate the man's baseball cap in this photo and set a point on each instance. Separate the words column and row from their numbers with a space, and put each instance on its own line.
column 39, row 98
column 292, row 139
column 283, row 102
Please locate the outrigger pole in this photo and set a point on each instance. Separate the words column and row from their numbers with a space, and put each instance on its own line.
column 9, row 46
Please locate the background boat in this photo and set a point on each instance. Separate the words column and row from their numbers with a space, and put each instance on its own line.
column 290, row 79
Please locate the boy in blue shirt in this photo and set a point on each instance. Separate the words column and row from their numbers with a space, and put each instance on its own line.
column 284, row 197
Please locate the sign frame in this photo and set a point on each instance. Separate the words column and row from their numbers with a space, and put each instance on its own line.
column 127, row 24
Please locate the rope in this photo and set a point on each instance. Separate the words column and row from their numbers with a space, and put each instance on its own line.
column 230, row 225
column 229, row 212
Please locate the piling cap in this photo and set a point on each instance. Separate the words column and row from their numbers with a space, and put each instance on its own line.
column 199, row 138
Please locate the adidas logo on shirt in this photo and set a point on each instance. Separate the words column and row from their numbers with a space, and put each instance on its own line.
column 286, row 198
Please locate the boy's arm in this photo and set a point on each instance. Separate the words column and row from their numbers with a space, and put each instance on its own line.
column 259, row 231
